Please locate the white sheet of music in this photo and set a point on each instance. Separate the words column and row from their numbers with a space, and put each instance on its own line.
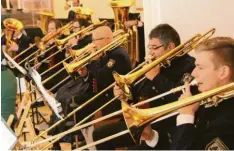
column 7, row 137
column 21, row 69
column 22, row 86
column 51, row 100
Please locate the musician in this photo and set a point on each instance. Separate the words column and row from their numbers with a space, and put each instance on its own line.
column 105, row 63
column 78, row 42
column 72, row 14
column 81, row 90
column 49, row 63
column 162, row 39
column 19, row 44
column 200, row 128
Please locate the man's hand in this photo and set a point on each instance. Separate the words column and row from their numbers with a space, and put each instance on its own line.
column 147, row 134
column 191, row 109
column 14, row 47
column 130, row 23
column 119, row 92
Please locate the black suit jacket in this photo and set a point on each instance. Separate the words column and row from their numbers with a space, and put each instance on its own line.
column 213, row 129
column 114, row 60
column 168, row 78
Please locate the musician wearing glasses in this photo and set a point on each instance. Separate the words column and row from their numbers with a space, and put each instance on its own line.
column 105, row 63
column 77, row 42
column 162, row 39
column 209, row 128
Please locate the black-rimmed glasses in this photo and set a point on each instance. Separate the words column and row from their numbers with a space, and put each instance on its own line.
column 154, row 47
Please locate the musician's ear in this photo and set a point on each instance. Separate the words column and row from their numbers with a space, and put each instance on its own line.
column 170, row 46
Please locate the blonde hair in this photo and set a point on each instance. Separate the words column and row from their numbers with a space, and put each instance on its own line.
column 223, row 50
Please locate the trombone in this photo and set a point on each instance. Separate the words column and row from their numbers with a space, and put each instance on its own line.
column 137, row 119
column 41, row 43
column 118, row 41
column 60, row 42
column 192, row 41
column 77, row 127
column 124, row 81
column 178, row 51
column 77, row 55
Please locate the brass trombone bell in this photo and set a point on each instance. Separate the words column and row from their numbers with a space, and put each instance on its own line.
column 78, row 127
column 137, row 119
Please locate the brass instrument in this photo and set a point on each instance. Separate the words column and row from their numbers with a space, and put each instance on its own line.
column 84, row 13
column 78, row 126
column 12, row 25
column 181, row 49
column 125, row 81
column 40, row 43
column 71, row 67
column 83, row 51
column 60, row 42
column 137, row 119
column 87, row 50
column 115, row 43
column 121, row 11
column 45, row 17
column 118, row 41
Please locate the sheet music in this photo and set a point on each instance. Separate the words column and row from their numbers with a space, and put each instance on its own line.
column 8, row 138
column 51, row 100
column 21, row 69
column 22, row 86
column 37, row 79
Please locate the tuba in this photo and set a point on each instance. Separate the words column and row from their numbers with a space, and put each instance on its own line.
column 121, row 12
column 45, row 18
column 83, row 13
column 12, row 25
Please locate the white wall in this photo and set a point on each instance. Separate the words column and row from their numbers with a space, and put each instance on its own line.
column 100, row 8
column 59, row 10
column 189, row 17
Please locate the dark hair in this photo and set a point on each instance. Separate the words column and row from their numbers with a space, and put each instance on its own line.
column 166, row 34
column 83, row 22
column 58, row 23
column 223, row 50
